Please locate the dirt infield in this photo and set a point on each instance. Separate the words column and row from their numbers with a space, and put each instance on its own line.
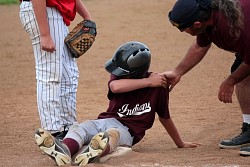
column 194, row 106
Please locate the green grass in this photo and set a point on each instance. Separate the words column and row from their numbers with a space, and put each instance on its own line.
column 8, row 2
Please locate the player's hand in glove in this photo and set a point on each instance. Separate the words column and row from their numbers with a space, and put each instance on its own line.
column 81, row 38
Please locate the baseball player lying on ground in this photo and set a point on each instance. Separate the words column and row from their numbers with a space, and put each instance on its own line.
column 135, row 96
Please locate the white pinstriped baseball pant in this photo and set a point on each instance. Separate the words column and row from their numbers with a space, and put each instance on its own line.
column 56, row 73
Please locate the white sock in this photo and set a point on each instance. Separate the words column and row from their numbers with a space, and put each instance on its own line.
column 246, row 118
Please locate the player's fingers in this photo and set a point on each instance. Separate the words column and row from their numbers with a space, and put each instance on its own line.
column 47, row 49
column 165, row 83
column 164, row 78
column 198, row 144
column 192, row 145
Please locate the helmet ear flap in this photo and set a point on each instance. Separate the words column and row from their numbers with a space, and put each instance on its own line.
column 130, row 59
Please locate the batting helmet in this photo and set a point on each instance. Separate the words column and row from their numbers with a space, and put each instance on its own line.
column 130, row 59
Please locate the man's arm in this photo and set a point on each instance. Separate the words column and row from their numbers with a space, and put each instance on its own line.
column 174, row 134
column 126, row 85
column 227, row 87
column 47, row 44
column 193, row 56
column 239, row 74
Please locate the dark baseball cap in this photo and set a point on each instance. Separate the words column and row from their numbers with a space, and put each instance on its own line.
column 185, row 12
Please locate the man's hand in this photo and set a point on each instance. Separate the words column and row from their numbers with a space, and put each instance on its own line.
column 172, row 78
column 226, row 91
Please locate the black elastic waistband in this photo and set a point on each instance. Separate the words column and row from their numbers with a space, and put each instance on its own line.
column 26, row 0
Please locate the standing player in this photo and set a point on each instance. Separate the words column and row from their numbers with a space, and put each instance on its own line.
column 57, row 73
column 135, row 97
column 226, row 23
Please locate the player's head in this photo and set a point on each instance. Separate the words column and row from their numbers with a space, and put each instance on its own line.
column 131, row 60
column 186, row 12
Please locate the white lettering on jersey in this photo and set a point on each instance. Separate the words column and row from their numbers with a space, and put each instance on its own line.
column 137, row 110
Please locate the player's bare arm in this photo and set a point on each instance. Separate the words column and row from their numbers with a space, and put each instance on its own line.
column 168, row 124
column 82, row 10
column 47, row 44
column 126, row 85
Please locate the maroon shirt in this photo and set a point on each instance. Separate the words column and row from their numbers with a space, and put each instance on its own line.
column 219, row 34
column 136, row 109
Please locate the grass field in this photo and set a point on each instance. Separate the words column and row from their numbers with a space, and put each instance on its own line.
column 8, row 2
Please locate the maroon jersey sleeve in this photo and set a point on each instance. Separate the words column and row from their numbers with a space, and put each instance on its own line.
column 163, row 103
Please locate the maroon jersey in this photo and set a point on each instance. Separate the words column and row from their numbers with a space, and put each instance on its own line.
column 219, row 34
column 136, row 109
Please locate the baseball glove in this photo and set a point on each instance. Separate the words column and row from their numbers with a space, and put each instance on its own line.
column 81, row 38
